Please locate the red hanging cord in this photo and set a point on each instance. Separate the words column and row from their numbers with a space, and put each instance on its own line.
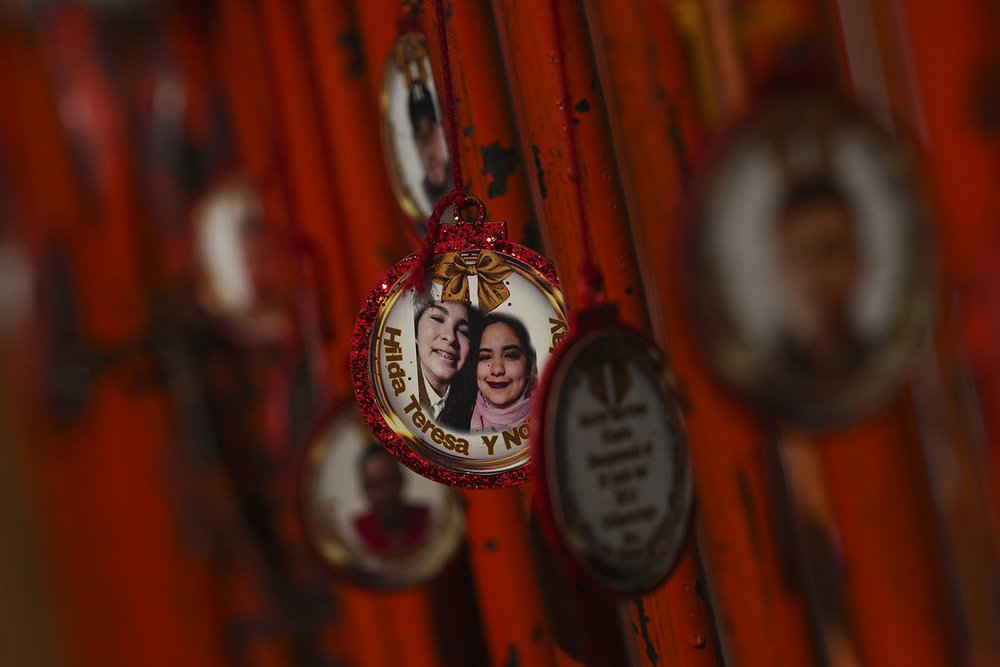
column 593, row 282
column 457, row 196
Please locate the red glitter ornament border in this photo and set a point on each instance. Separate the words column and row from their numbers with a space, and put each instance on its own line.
column 454, row 238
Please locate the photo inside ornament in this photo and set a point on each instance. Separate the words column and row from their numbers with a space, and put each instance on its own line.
column 813, row 277
column 454, row 368
column 367, row 516
column 413, row 134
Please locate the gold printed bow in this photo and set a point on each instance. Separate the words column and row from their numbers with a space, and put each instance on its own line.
column 592, row 364
column 452, row 273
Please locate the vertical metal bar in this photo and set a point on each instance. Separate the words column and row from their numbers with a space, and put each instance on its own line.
column 891, row 475
column 350, row 130
column 892, row 580
column 948, row 61
column 503, row 568
column 767, row 32
column 506, row 578
column 651, row 105
column 671, row 623
column 405, row 620
column 491, row 161
column 943, row 67
column 300, row 158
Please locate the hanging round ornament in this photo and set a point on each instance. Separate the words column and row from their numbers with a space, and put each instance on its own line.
column 614, row 484
column 811, row 279
column 413, row 134
column 448, row 349
column 610, row 454
column 243, row 282
column 449, row 346
column 368, row 519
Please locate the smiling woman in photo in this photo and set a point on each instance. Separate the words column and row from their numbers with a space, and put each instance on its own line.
column 505, row 374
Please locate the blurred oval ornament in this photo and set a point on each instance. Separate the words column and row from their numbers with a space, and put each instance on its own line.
column 367, row 518
column 614, row 480
column 445, row 374
column 413, row 137
column 811, row 272
column 243, row 280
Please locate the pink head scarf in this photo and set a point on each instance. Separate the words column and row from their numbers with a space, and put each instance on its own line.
column 488, row 417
